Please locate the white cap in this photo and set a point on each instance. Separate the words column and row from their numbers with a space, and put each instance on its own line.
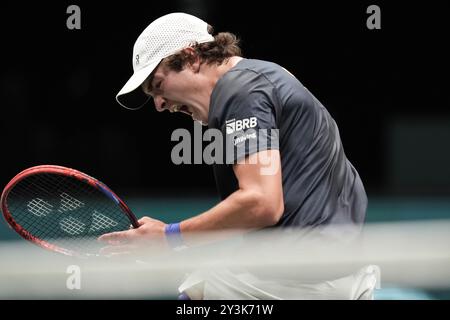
column 163, row 37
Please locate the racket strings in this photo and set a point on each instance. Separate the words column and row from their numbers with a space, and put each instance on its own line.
column 100, row 221
column 64, row 211
column 39, row 207
column 69, row 203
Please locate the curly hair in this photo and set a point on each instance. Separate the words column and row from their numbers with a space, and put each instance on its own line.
column 224, row 46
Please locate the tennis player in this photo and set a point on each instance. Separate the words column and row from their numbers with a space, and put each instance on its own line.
column 263, row 112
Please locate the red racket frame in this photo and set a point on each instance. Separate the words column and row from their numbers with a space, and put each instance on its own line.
column 65, row 172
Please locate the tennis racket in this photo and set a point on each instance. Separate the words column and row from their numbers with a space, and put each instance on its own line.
column 63, row 210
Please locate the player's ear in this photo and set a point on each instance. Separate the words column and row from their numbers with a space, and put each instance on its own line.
column 193, row 62
column 196, row 64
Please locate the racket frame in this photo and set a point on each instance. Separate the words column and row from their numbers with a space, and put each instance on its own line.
column 54, row 169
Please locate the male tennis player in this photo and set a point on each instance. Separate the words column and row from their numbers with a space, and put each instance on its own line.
column 184, row 68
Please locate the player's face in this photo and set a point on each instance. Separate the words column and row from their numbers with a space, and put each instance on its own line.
column 178, row 92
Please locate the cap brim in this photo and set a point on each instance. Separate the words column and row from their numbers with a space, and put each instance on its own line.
column 128, row 96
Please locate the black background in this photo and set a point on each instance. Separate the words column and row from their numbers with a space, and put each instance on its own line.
column 58, row 86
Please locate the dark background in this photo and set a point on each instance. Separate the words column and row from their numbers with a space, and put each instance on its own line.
column 387, row 89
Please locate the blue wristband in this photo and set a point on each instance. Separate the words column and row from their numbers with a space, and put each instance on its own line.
column 173, row 235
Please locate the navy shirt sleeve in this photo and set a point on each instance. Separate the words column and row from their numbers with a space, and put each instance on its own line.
column 248, row 120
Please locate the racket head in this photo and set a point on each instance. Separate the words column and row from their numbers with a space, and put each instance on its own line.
column 63, row 209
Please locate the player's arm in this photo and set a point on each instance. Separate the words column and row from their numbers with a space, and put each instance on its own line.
column 258, row 202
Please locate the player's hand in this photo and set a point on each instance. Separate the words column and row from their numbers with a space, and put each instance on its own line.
column 150, row 235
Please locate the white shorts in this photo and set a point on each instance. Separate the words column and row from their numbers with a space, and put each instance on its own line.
column 232, row 285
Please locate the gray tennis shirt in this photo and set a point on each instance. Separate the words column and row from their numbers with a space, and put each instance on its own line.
column 258, row 105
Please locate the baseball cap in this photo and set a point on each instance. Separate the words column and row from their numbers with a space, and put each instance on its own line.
column 163, row 37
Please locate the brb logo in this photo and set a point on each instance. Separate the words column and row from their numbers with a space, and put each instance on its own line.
column 234, row 125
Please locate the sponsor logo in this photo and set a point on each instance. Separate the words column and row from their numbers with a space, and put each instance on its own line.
column 234, row 125
column 244, row 137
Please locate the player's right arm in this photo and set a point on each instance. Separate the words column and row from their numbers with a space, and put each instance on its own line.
column 258, row 203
